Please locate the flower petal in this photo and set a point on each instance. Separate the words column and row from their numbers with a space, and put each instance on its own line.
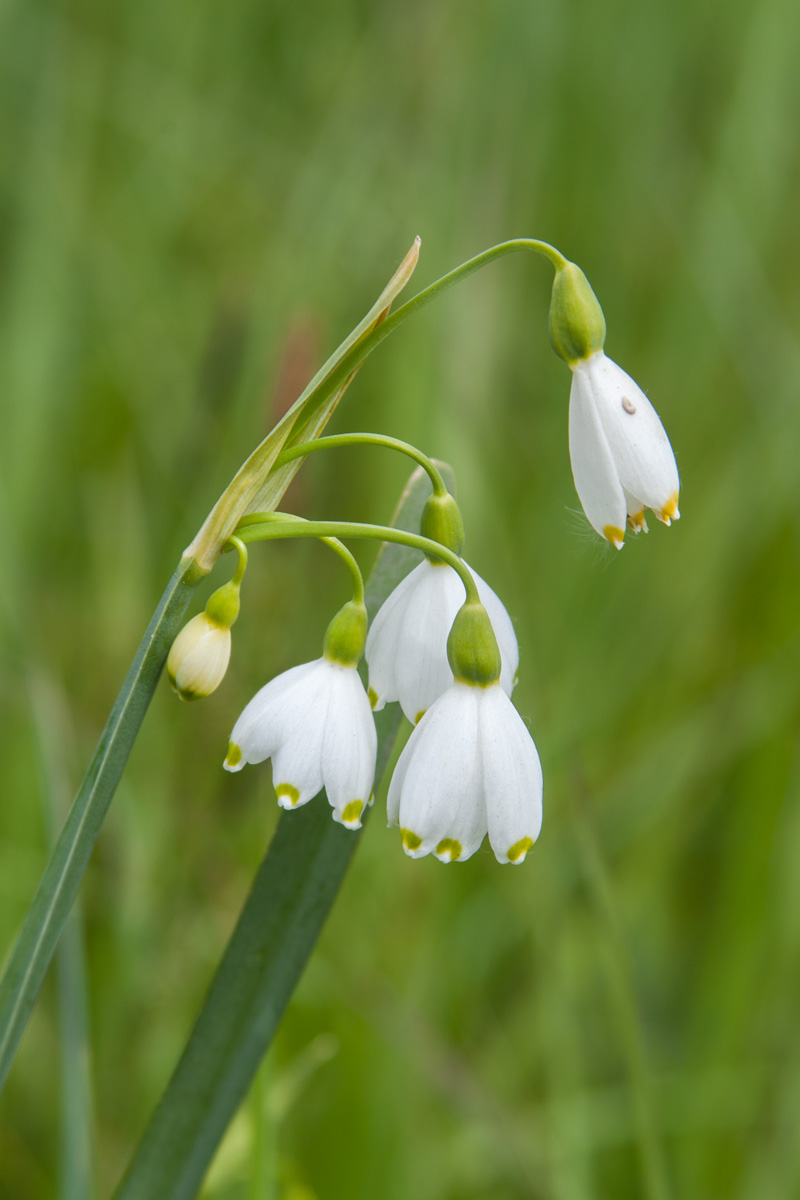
column 261, row 726
column 203, row 667
column 512, row 778
column 407, row 642
column 383, row 639
column 503, row 631
column 422, row 672
column 435, row 793
column 637, row 440
column 349, row 749
column 596, row 477
column 297, row 760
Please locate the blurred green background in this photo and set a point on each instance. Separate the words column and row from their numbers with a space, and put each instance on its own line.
column 197, row 202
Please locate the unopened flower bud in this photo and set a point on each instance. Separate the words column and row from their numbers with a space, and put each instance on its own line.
column 199, row 658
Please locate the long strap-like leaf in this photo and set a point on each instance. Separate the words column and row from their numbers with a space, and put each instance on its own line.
column 293, row 893
column 59, row 885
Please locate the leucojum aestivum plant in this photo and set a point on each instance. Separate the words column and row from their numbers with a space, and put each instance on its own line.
column 438, row 645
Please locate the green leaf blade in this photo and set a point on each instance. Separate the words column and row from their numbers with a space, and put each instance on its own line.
column 59, row 885
column 283, row 916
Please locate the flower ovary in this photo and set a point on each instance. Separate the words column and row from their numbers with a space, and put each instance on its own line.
column 346, row 635
column 442, row 522
column 472, row 649
column 577, row 324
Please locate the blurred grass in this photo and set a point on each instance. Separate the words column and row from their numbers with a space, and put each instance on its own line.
column 196, row 202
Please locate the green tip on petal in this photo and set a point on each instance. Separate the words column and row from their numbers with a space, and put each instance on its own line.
column 286, row 791
column 448, row 850
column 351, row 813
column 373, row 697
column 410, row 840
column 233, row 758
column 518, row 851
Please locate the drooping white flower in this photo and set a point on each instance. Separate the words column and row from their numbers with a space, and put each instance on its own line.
column 622, row 461
column 407, row 641
column 199, row 658
column 470, row 766
column 315, row 723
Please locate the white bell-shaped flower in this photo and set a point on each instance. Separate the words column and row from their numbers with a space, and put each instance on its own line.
column 470, row 766
column 622, row 461
column 315, row 723
column 407, row 641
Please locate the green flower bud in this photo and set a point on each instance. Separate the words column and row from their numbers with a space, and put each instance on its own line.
column 442, row 522
column 346, row 635
column 472, row 649
column 577, row 324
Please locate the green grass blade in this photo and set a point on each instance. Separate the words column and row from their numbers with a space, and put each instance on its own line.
column 283, row 916
column 45, row 919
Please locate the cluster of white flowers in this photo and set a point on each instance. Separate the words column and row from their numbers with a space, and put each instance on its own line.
column 470, row 767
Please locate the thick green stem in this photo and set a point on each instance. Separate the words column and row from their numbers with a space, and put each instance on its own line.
column 261, row 527
column 45, row 919
column 366, row 439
